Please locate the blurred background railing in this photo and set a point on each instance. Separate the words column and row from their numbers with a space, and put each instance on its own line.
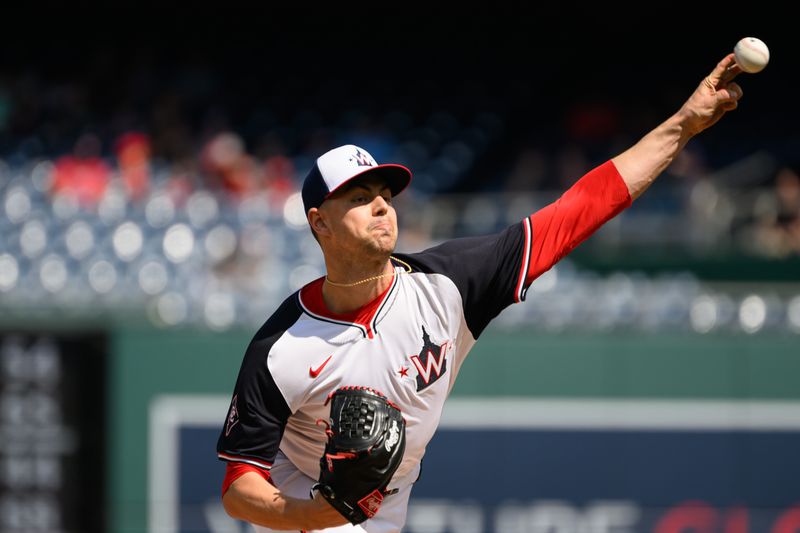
column 178, row 254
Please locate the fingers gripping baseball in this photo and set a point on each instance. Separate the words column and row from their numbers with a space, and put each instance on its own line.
column 724, row 72
column 720, row 82
column 716, row 95
column 730, row 96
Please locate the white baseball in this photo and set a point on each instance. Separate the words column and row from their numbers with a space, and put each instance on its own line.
column 752, row 55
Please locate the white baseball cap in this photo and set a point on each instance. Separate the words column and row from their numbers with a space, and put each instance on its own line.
column 341, row 165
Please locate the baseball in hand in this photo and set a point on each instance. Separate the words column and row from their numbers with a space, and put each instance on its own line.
column 752, row 55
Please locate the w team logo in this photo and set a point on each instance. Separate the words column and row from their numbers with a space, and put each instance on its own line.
column 431, row 362
column 362, row 160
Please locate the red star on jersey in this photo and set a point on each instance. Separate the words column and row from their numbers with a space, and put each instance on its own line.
column 403, row 371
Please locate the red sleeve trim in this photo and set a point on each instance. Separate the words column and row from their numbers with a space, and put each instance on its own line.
column 234, row 471
column 558, row 228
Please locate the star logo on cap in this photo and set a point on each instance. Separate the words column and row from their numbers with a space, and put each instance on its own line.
column 362, row 160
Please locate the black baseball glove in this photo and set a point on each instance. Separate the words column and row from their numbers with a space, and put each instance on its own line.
column 366, row 441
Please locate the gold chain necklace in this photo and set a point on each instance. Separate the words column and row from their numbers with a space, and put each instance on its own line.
column 372, row 278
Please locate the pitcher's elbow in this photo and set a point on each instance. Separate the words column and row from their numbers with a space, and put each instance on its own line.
column 230, row 502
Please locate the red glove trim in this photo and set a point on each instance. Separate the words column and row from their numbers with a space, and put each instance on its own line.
column 371, row 503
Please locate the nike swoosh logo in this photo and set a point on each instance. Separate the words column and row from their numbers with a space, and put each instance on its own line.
column 314, row 373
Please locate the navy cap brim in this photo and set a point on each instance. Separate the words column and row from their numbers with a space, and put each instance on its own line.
column 397, row 177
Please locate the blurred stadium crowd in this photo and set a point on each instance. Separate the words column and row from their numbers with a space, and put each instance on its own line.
column 172, row 193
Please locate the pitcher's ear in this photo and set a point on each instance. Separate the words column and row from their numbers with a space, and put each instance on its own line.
column 316, row 221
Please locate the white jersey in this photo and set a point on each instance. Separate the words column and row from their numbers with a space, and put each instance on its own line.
column 409, row 344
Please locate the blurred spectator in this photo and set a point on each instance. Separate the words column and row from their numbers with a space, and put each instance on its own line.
column 172, row 137
column 279, row 171
column 365, row 130
column 82, row 175
column 279, row 176
column 182, row 180
column 5, row 108
column 530, row 171
column 133, row 158
column 776, row 231
column 571, row 163
column 230, row 167
column 691, row 164
column 592, row 122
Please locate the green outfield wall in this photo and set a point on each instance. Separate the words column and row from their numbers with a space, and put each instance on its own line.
column 145, row 363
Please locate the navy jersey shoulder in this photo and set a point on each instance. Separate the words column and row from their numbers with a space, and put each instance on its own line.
column 486, row 270
column 257, row 417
